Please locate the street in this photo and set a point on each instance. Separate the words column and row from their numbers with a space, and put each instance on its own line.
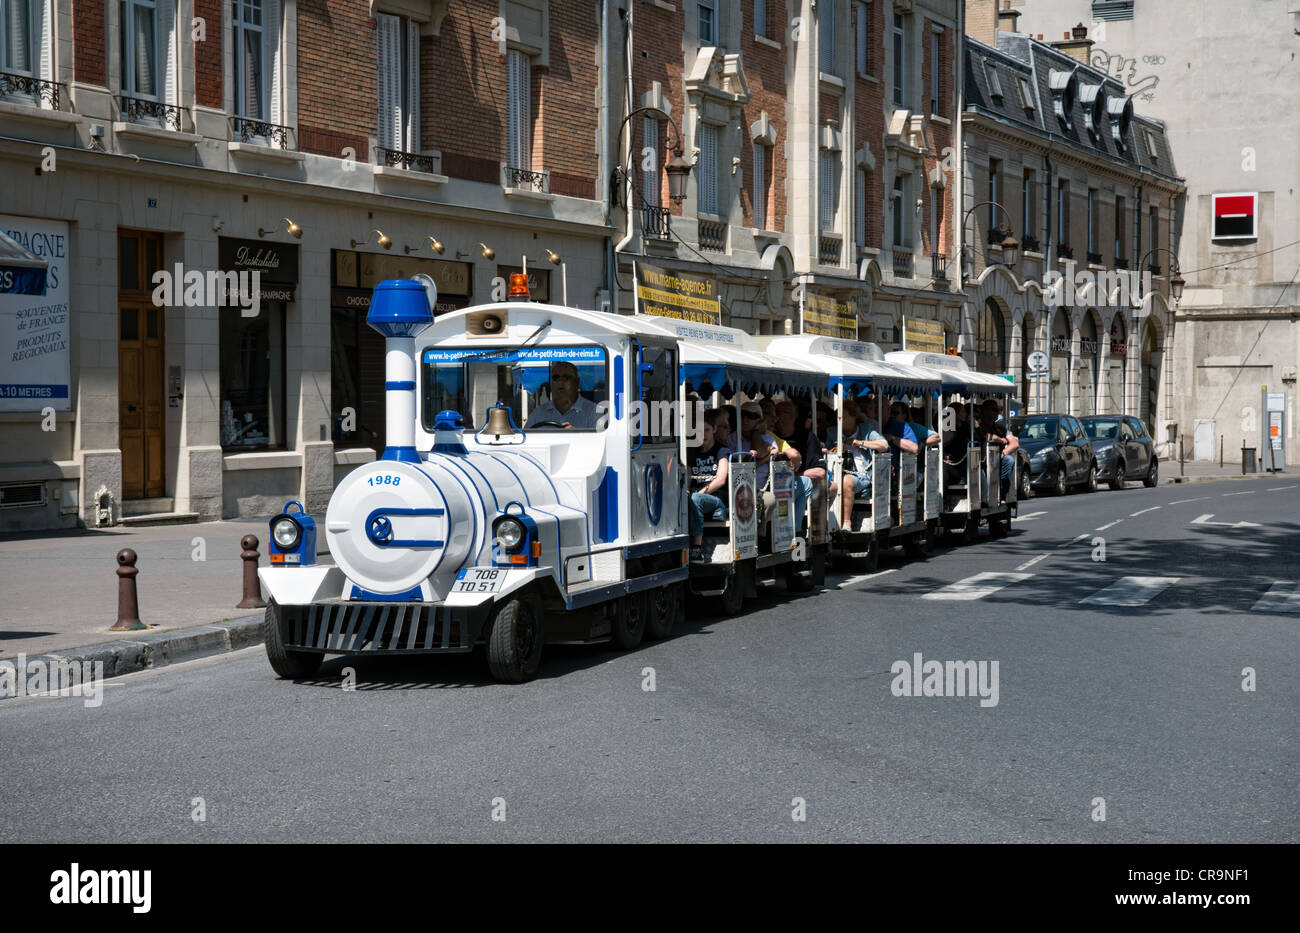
column 1119, row 694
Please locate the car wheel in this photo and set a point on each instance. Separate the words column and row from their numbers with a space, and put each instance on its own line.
column 1060, row 488
column 1153, row 475
column 289, row 664
column 1090, row 483
column 1117, row 478
column 514, row 646
column 1025, row 490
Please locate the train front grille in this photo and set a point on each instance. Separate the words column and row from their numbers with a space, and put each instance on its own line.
column 374, row 627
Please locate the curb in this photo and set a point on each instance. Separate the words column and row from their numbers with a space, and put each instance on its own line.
column 157, row 650
column 1184, row 480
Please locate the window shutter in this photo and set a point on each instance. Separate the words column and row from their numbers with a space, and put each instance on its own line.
column 171, row 51
column 518, row 107
column 412, row 141
column 826, row 34
column 826, row 189
column 861, row 30
column 45, row 35
column 707, row 138
column 388, row 35
column 274, row 61
column 650, row 177
column 760, row 186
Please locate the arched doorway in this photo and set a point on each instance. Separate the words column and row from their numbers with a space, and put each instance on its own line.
column 1089, row 358
column 990, row 339
column 1115, row 403
column 1149, row 390
column 1060, row 367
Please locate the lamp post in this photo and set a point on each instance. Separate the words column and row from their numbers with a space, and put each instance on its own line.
column 1176, row 281
column 678, row 167
column 1010, row 245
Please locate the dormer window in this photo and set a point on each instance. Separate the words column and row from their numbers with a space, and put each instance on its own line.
column 1120, row 111
column 1153, row 151
column 1026, row 92
column 1065, row 87
column 995, row 84
column 1093, row 98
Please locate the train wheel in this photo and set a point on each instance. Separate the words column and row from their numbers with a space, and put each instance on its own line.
column 629, row 621
column 289, row 664
column 797, row 583
column 1000, row 527
column 733, row 597
column 514, row 648
column 970, row 532
column 869, row 562
column 667, row 609
column 925, row 540
column 819, row 567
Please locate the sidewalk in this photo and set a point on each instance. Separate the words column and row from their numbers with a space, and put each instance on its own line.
column 58, row 590
column 1202, row 471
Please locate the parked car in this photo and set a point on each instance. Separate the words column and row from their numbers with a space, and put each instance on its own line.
column 1123, row 448
column 1060, row 454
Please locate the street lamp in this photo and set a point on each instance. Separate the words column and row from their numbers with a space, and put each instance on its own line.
column 678, row 167
column 1010, row 245
column 1176, row 281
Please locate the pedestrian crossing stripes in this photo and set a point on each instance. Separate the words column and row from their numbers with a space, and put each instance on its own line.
column 978, row 586
column 1131, row 591
column 1281, row 597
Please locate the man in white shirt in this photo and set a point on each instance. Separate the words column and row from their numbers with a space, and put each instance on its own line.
column 566, row 407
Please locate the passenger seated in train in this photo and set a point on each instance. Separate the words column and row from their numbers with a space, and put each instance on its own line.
column 764, row 445
column 992, row 432
column 900, row 434
column 797, row 434
column 723, row 429
column 707, row 468
column 860, row 439
column 567, row 407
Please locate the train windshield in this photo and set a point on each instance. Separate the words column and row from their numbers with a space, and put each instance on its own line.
column 546, row 388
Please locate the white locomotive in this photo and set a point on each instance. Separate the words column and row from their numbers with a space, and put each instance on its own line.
column 534, row 488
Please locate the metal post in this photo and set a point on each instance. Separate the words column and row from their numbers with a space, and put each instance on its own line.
column 1181, row 470
column 128, row 604
column 252, row 589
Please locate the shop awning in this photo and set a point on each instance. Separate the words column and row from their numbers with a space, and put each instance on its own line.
column 21, row 271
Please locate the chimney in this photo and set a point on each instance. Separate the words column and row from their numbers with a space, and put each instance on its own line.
column 1076, row 44
column 1008, row 19
column 982, row 21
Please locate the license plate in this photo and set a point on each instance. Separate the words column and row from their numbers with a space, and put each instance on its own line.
column 478, row 580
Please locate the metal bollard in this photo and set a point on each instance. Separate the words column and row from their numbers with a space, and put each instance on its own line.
column 128, row 605
column 252, row 588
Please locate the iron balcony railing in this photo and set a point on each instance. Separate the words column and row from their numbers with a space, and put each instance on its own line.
column 413, row 161
column 655, row 223
column 38, row 89
column 527, row 179
column 246, row 129
column 142, row 110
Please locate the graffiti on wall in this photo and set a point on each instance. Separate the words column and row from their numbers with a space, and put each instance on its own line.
column 1126, row 69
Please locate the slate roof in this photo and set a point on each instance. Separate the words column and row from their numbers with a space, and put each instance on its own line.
column 1017, row 56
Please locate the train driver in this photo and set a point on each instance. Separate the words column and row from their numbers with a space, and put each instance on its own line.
column 567, row 407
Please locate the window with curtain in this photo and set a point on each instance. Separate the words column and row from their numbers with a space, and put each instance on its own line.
column 708, row 21
column 399, row 82
column 828, row 187
column 248, row 18
column 826, row 32
column 650, row 161
column 760, row 186
column 17, row 38
column 860, row 38
column 935, row 74
column 139, row 34
column 706, row 140
column 519, row 123
column 760, row 18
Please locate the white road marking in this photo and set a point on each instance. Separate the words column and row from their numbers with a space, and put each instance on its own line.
column 845, row 584
column 1131, row 591
column 1144, row 511
column 1072, row 540
column 1248, row 492
column 1181, row 501
column 1029, row 563
column 1111, row 525
column 978, row 586
column 1276, row 488
column 1281, row 597
column 1029, row 517
column 1205, row 520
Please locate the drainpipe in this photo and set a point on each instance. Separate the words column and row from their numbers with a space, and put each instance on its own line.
column 959, row 170
column 625, row 155
column 602, row 10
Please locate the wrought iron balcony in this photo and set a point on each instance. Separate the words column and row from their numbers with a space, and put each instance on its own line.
column 412, row 161
column 713, row 235
column 247, row 130
column 37, row 89
column 1065, row 252
column 526, row 179
column 140, row 110
column 902, row 263
column 1030, row 244
column 655, row 223
column 938, row 267
column 829, row 250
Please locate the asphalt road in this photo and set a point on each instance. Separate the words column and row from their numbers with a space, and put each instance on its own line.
column 1141, row 705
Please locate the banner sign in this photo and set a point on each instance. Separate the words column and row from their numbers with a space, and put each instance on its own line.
column 277, row 262
column 681, row 296
column 506, row 355
column 932, row 490
column 826, row 316
column 741, row 479
column 35, row 332
column 783, row 519
column 880, row 480
column 920, row 334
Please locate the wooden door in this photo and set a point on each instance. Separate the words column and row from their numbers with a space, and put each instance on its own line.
column 141, row 407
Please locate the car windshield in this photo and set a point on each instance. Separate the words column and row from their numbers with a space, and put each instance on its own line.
column 1034, row 429
column 546, row 389
column 1099, row 429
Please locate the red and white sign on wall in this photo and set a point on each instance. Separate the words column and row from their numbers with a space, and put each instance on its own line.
column 1234, row 215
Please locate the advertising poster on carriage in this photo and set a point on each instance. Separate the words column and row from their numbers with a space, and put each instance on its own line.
column 783, row 517
column 906, row 490
column 993, row 476
column 741, row 480
column 932, row 491
column 881, row 477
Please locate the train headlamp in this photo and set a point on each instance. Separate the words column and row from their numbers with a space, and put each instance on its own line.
column 510, row 532
column 286, row 532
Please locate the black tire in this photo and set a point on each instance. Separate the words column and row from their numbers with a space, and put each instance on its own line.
column 1000, row 527
column 289, row 664
column 869, row 563
column 819, row 566
column 732, row 599
column 629, row 621
column 1090, row 481
column 926, row 539
column 1061, row 487
column 667, row 609
column 796, row 582
column 1152, row 479
column 912, row 546
column 1117, row 478
column 1026, row 488
column 970, row 532
column 514, row 645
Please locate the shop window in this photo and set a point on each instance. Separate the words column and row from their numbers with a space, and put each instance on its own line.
column 252, row 378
